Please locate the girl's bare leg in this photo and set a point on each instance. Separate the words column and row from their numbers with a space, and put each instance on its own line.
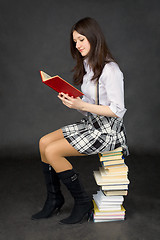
column 46, row 140
column 54, row 148
column 53, row 151
column 56, row 152
column 55, row 199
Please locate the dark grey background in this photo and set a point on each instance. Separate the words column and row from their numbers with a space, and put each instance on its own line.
column 34, row 35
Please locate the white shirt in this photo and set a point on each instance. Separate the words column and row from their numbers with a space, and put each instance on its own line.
column 111, row 88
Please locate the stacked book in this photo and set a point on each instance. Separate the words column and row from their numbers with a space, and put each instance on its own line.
column 108, row 208
column 112, row 178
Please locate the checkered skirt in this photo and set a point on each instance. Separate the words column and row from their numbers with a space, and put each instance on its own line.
column 95, row 134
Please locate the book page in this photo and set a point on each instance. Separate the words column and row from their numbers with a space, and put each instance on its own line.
column 45, row 76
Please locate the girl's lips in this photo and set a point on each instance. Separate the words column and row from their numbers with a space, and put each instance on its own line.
column 80, row 50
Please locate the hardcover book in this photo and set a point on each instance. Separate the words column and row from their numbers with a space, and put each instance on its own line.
column 60, row 85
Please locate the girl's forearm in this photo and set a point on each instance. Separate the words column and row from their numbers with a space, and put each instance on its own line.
column 98, row 109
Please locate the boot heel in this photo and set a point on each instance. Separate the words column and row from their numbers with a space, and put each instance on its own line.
column 90, row 215
column 58, row 211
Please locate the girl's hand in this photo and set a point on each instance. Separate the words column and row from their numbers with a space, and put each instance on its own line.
column 77, row 103
column 71, row 102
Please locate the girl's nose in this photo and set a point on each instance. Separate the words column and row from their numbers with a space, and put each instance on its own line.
column 77, row 44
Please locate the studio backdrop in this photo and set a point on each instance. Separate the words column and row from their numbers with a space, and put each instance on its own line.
column 34, row 36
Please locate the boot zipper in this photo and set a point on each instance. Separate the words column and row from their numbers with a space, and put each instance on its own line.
column 50, row 170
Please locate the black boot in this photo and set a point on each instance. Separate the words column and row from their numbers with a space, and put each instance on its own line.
column 82, row 205
column 55, row 199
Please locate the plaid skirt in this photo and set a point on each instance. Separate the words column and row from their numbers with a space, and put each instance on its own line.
column 95, row 134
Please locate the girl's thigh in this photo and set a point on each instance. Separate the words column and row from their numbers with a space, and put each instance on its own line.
column 62, row 148
column 51, row 137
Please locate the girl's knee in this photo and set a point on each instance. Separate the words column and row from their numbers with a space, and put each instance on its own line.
column 42, row 143
column 50, row 152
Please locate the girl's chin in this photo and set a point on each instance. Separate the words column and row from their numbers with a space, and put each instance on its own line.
column 83, row 54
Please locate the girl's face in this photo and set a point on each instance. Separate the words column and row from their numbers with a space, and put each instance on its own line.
column 82, row 43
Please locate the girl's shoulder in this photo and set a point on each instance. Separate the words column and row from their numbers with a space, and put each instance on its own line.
column 111, row 67
column 111, row 70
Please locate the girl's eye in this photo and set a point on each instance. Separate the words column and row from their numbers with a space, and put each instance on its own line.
column 82, row 40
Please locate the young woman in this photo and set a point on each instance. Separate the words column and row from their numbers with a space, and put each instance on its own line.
column 100, row 130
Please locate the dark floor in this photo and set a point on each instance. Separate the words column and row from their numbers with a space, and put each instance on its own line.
column 22, row 193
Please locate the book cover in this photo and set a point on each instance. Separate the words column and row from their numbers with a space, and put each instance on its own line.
column 109, row 212
column 60, row 85
column 112, row 162
column 111, row 158
column 108, row 207
column 107, row 202
column 108, row 215
column 112, row 187
column 106, row 220
column 107, row 175
column 115, row 151
column 100, row 181
column 110, row 173
column 102, row 197
column 111, row 154
column 116, row 192
column 116, row 168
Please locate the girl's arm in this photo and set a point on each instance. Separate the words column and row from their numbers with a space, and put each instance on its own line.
column 77, row 103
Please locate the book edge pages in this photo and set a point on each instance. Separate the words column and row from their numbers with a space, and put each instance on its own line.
column 45, row 76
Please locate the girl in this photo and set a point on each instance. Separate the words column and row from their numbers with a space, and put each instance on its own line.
column 102, row 128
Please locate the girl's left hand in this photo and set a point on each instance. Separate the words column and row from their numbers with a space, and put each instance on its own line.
column 71, row 102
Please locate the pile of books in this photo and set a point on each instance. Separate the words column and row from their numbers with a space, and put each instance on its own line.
column 112, row 178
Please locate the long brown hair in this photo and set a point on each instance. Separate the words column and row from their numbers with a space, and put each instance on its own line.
column 99, row 53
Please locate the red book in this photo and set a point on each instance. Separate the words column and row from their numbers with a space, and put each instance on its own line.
column 60, row 85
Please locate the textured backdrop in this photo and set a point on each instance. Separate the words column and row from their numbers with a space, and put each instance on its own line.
column 34, row 35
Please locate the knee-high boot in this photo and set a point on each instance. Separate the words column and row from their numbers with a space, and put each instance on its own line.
column 55, row 199
column 83, row 205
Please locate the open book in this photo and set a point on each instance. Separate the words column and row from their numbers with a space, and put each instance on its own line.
column 60, row 85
